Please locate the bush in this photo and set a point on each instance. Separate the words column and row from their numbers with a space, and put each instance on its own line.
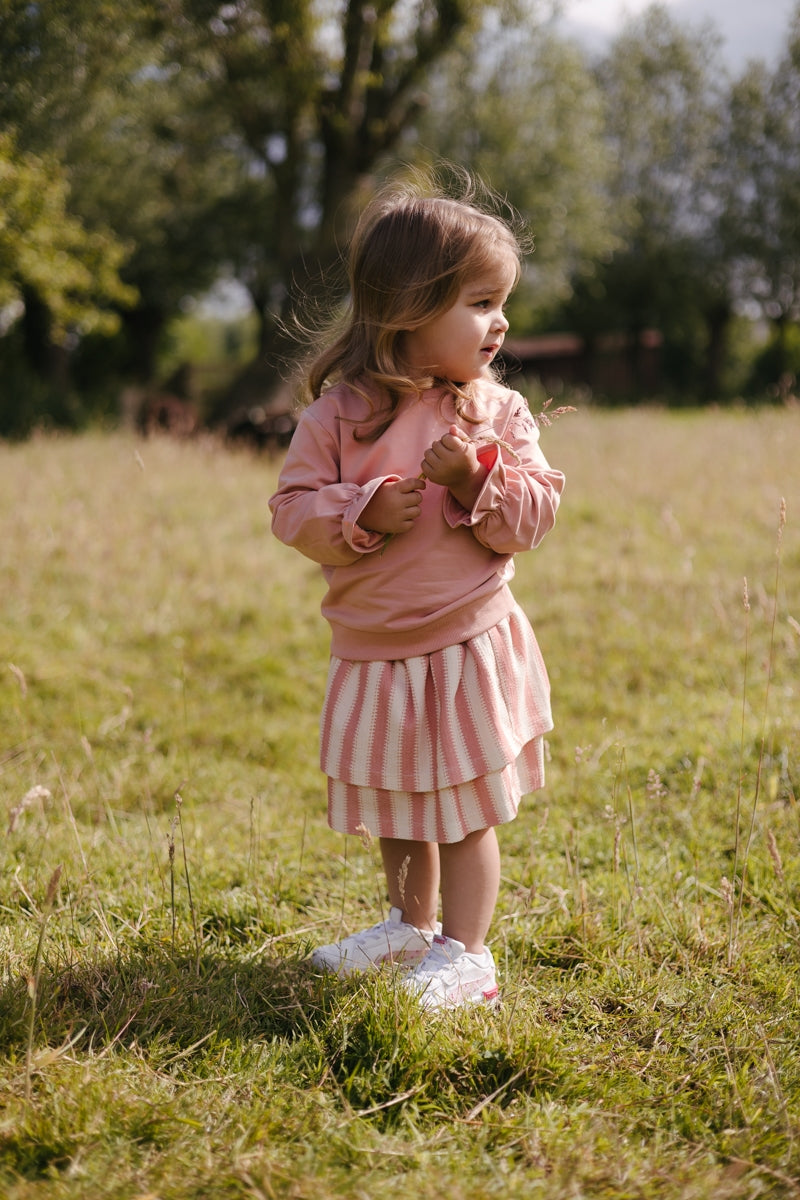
column 29, row 401
column 778, row 364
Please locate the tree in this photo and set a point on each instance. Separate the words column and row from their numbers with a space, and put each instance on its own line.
column 37, row 101
column 64, row 280
column 762, row 199
column 49, row 257
column 663, row 117
column 535, row 133
column 317, row 97
column 212, row 135
column 155, row 164
column 137, row 146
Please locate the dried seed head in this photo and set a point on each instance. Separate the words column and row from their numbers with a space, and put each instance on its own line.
column 402, row 876
column 655, row 786
column 20, row 678
column 545, row 418
column 364, row 834
column 746, row 596
column 698, row 777
column 171, row 839
column 30, row 797
column 775, row 854
column 52, row 887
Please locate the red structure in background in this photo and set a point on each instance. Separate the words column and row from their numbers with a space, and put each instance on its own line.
column 614, row 364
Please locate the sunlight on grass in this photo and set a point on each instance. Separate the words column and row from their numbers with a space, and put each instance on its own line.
column 162, row 664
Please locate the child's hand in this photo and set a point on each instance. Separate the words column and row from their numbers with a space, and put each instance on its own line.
column 453, row 463
column 394, row 508
column 450, row 461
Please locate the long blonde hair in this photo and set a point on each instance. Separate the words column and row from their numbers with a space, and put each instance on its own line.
column 409, row 257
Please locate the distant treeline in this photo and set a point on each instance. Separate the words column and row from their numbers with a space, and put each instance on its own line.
column 150, row 148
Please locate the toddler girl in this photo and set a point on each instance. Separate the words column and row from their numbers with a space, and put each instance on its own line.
column 413, row 479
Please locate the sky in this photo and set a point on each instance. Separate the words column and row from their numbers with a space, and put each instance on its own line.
column 749, row 28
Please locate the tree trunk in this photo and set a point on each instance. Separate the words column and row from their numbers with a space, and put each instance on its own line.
column 44, row 357
column 718, row 320
column 143, row 328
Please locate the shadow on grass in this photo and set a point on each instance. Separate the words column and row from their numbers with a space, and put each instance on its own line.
column 153, row 995
column 368, row 1038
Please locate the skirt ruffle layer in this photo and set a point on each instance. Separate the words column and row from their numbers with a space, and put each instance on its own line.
column 434, row 747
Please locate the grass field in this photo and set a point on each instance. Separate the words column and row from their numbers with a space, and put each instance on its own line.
column 167, row 864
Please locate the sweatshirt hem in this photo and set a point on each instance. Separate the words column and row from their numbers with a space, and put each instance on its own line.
column 449, row 630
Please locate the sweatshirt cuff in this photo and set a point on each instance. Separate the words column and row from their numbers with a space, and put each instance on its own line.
column 489, row 497
column 357, row 538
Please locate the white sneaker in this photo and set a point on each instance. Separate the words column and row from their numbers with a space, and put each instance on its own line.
column 449, row 977
column 390, row 941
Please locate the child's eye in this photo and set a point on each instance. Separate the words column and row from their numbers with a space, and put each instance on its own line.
column 483, row 304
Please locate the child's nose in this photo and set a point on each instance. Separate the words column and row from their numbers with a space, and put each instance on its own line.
column 501, row 322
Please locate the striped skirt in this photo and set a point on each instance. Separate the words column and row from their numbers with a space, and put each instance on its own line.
column 434, row 747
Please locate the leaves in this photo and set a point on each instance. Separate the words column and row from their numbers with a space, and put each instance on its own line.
column 74, row 270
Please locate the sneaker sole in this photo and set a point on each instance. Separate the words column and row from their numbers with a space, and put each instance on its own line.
column 347, row 967
column 488, row 997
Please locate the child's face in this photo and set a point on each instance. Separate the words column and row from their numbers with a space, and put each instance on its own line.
column 461, row 342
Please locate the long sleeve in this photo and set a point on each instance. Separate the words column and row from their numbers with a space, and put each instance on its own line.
column 518, row 502
column 313, row 510
column 447, row 577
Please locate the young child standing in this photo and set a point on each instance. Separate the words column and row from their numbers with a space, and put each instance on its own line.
column 413, row 478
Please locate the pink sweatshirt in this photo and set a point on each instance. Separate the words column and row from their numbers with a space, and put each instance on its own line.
column 444, row 581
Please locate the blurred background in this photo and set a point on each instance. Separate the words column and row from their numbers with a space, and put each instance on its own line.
column 178, row 177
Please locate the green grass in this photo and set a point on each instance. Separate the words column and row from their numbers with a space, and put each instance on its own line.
column 162, row 663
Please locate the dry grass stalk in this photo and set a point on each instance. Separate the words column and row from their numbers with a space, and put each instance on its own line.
column 35, row 976
column 545, row 417
column 31, row 796
column 763, row 738
column 365, row 835
column 179, row 805
column 20, row 678
column 402, row 876
column 775, row 855
column 171, row 859
column 738, row 814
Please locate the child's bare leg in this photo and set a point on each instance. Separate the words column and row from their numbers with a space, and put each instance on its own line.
column 470, row 883
column 413, row 886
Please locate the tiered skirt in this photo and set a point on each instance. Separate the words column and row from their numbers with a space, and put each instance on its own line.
column 435, row 747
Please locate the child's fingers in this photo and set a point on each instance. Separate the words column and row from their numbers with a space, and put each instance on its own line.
column 415, row 484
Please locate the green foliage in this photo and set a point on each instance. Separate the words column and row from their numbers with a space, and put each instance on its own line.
column 315, row 98
column 138, row 148
column 206, row 341
column 536, row 131
column 777, row 367
column 46, row 251
column 28, row 402
column 163, row 662
column 152, row 146
column 670, row 271
column 763, row 185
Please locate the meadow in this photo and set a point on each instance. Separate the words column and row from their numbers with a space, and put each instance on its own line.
column 166, row 863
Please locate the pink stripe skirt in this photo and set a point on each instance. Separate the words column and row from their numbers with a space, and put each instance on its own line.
column 434, row 747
